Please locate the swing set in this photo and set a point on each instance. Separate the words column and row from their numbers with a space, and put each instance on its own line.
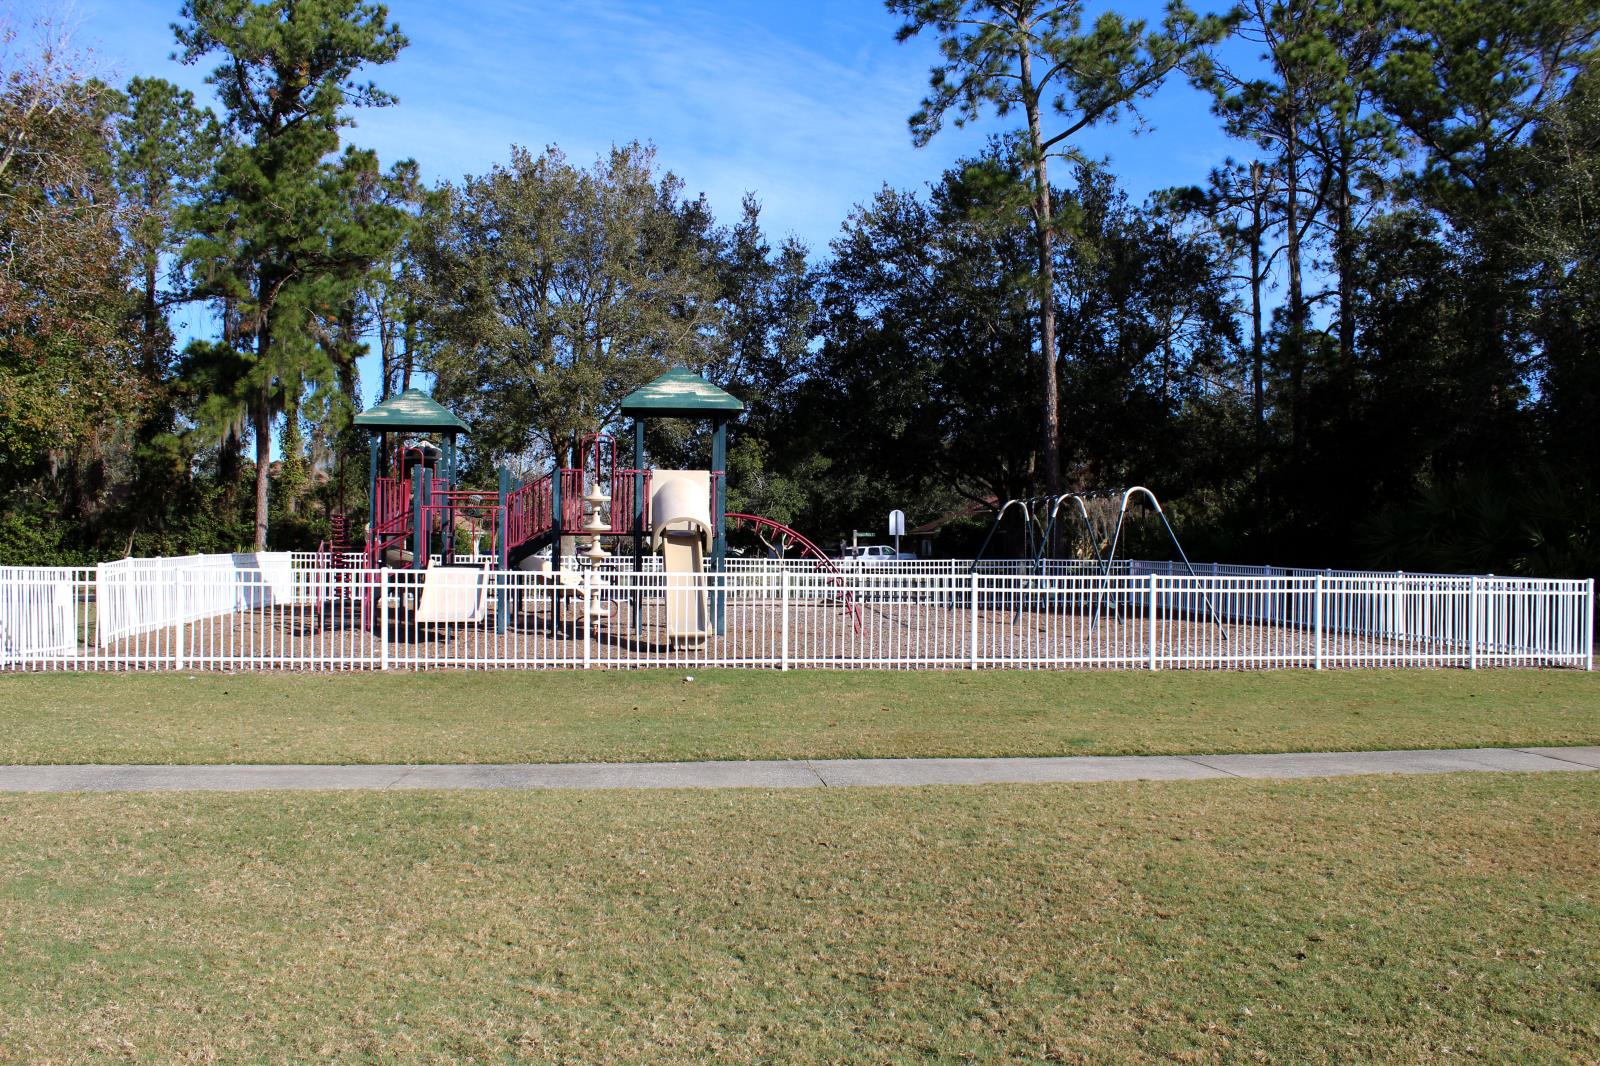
column 1040, row 514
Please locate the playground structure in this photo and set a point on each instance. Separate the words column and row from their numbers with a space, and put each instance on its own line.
column 419, row 511
column 604, row 562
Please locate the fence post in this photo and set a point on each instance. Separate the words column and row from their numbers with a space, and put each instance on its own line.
column 972, row 646
column 177, row 623
column 383, row 619
column 783, row 598
column 1316, row 613
column 587, row 602
column 1472, row 622
column 1588, row 625
column 1152, row 625
column 1399, row 606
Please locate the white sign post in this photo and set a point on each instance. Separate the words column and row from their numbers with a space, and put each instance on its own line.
column 897, row 528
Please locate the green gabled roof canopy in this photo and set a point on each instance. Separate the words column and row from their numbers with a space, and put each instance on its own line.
column 680, row 393
column 410, row 411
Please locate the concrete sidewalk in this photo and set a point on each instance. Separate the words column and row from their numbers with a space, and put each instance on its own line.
column 829, row 773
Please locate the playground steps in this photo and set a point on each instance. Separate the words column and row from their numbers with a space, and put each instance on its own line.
column 531, row 510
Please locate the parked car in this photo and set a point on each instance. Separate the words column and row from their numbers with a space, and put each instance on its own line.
column 872, row 555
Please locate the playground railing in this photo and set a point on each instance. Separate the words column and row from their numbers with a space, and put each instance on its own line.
column 392, row 509
column 623, row 559
column 256, row 612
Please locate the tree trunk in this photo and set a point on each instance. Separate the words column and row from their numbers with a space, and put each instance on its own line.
column 1258, row 382
column 1297, row 299
column 387, row 344
column 410, row 358
column 1044, row 232
column 1257, row 376
column 231, row 450
column 261, row 418
column 1345, row 261
column 290, row 455
column 152, row 322
column 1166, row 365
column 228, row 465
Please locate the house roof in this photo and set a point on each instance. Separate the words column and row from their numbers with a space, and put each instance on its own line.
column 970, row 510
column 412, row 410
column 680, row 393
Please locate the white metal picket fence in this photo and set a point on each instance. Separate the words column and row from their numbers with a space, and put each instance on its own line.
column 139, row 595
column 253, row 613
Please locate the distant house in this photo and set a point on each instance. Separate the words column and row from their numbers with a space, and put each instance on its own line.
column 923, row 536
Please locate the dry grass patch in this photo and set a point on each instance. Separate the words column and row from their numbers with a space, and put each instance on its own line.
column 1385, row 920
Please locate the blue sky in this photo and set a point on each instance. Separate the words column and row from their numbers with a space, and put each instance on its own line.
column 803, row 104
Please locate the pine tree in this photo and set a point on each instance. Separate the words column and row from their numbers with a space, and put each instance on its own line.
column 1033, row 56
column 276, row 229
column 165, row 147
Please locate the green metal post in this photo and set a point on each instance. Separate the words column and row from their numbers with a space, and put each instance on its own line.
column 447, row 523
column 638, row 494
column 502, row 527
column 555, row 544
column 419, row 534
column 555, row 517
column 374, row 449
column 638, row 517
column 719, row 506
column 503, row 520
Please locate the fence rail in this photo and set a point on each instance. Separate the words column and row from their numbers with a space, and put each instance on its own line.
column 256, row 612
column 623, row 560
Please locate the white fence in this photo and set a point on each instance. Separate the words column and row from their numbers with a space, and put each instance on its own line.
column 254, row 613
column 135, row 596
column 38, row 612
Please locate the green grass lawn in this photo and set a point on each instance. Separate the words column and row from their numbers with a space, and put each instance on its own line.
column 657, row 715
column 1430, row 919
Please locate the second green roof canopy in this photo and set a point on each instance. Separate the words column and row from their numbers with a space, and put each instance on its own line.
column 680, row 393
column 410, row 411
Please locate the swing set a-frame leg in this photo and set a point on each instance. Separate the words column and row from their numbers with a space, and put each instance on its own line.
column 1122, row 515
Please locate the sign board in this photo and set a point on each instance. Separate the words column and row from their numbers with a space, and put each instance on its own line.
column 897, row 528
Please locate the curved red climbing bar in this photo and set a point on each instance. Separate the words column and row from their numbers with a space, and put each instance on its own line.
column 807, row 550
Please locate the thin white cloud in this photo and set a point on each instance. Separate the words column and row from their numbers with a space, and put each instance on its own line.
column 805, row 104
column 730, row 104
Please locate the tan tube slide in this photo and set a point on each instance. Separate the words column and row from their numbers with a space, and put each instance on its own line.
column 680, row 512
